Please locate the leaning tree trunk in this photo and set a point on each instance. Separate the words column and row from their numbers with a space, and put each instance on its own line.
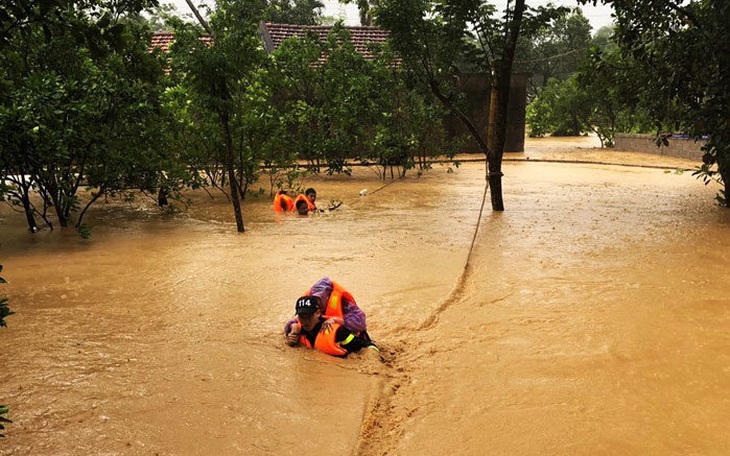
column 23, row 194
column 231, row 169
column 28, row 209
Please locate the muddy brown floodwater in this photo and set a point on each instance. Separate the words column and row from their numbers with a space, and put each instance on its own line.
column 592, row 319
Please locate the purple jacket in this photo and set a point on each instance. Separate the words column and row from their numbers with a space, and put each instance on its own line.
column 354, row 316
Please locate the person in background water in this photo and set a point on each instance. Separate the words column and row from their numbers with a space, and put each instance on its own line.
column 310, row 330
column 309, row 197
column 337, row 305
column 283, row 202
column 301, row 208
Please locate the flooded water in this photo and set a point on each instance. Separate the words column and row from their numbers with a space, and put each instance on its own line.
column 590, row 318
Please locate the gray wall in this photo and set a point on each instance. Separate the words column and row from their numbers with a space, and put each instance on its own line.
column 678, row 147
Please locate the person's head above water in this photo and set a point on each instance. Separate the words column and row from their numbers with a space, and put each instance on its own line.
column 308, row 311
column 302, row 207
column 311, row 194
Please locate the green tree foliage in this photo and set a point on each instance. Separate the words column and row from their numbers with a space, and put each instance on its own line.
column 609, row 80
column 407, row 123
column 219, row 81
column 4, row 309
column 3, row 411
column 683, row 47
column 562, row 108
column 555, row 50
column 600, row 97
column 344, row 107
column 80, row 109
column 323, row 104
column 302, row 12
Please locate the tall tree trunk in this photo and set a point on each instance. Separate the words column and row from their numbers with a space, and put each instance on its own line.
column 231, row 170
column 502, row 85
column 61, row 206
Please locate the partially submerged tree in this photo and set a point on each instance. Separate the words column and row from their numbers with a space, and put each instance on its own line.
column 345, row 108
column 561, row 108
column 601, row 97
column 218, row 78
column 438, row 40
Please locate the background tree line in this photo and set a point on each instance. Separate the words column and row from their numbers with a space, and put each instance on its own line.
column 84, row 104
column 661, row 69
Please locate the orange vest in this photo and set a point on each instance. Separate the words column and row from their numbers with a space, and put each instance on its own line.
column 280, row 200
column 325, row 341
column 334, row 305
column 301, row 197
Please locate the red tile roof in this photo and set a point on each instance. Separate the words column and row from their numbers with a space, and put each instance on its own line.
column 362, row 37
column 164, row 40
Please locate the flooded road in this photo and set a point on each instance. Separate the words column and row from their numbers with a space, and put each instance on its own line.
column 592, row 319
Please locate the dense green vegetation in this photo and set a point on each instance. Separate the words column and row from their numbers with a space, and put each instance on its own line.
column 680, row 51
column 80, row 106
column 662, row 69
column 88, row 112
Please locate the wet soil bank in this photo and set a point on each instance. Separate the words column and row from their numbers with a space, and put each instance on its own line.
column 592, row 319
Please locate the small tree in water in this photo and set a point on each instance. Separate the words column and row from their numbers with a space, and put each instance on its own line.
column 219, row 80
column 79, row 108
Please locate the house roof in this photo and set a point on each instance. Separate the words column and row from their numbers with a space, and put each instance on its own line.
column 362, row 37
column 163, row 40
column 272, row 35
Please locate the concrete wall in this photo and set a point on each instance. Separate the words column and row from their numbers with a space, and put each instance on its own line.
column 515, row 138
column 678, row 147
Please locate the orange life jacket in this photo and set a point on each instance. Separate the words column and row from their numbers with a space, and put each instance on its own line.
column 325, row 341
column 334, row 305
column 301, row 197
column 283, row 202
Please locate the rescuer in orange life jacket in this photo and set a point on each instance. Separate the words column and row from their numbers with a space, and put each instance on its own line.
column 310, row 330
column 303, row 204
column 283, row 202
column 309, row 196
column 301, row 207
column 337, row 306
